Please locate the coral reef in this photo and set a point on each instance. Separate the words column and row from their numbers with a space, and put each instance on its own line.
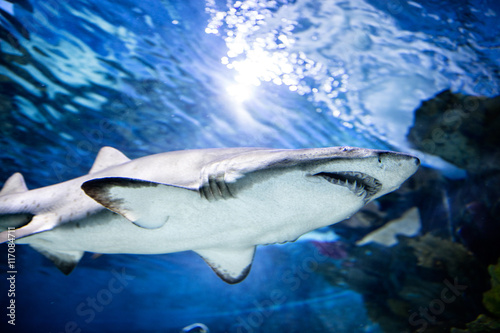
column 422, row 283
column 433, row 252
column 464, row 130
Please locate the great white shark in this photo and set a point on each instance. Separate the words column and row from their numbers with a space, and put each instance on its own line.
column 220, row 203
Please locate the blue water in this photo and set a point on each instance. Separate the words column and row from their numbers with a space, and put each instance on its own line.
column 153, row 76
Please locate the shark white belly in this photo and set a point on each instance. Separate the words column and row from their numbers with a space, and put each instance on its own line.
column 220, row 203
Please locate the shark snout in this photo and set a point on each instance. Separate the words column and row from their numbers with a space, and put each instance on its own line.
column 399, row 157
column 395, row 169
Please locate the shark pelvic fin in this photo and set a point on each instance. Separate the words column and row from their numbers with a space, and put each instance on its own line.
column 66, row 261
column 231, row 265
column 146, row 204
column 15, row 184
column 108, row 157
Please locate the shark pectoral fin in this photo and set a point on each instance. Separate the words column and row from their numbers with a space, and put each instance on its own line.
column 146, row 204
column 66, row 261
column 231, row 265
column 107, row 157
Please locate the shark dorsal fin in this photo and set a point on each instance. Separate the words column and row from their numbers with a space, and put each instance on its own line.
column 146, row 204
column 108, row 157
column 66, row 261
column 231, row 265
column 15, row 184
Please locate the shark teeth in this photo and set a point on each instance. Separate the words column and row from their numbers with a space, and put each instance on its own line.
column 359, row 183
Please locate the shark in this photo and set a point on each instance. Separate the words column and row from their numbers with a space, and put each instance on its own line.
column 220, row 203
column 407, row 225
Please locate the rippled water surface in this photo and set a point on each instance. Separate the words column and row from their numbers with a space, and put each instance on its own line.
column 153, row 76
column 174, row 75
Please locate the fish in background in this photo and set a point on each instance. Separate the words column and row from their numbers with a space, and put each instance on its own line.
column 407, row 225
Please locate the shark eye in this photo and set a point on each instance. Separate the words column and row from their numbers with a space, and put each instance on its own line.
column 359, row 183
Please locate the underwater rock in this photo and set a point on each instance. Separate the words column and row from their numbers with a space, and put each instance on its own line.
column 424, row 283
column 477, row 226
column 441, row 254
column 461, row 129
column 491, row 300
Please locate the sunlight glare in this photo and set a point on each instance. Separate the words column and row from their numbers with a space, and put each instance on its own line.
column 240, row 92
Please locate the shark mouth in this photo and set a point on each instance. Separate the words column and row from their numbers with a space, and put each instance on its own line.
column 359, row 183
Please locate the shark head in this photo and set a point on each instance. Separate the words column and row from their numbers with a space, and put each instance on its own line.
column 364, row 174
column 327, row 185
column 313, row 187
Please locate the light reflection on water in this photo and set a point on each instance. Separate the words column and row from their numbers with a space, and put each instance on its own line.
column 350, row 58
column 203, row 74
column 260, row 38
